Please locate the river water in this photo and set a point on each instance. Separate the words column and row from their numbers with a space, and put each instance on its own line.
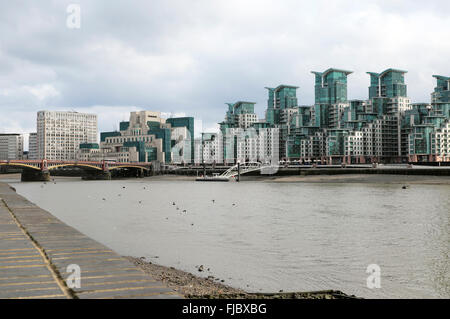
column 265, row 236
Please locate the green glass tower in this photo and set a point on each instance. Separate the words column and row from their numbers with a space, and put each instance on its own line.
column 239, row 114
column 331, row 86
column 330, row 90
column 440, row 98
column 280, row 98
column 390, row 83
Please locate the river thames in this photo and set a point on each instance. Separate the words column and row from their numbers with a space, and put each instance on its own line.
column 265, row 236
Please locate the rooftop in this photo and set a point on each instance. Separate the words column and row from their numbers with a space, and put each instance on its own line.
column 386, row 72
column 441, row 77
column 332, row 70
column 282, row 86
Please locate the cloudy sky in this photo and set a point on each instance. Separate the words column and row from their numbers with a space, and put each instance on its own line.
column 191, row 57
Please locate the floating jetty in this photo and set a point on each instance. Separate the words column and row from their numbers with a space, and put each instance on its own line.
column 212, row 179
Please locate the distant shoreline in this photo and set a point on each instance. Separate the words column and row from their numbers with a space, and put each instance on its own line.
column 324, row 178
column 342, row 178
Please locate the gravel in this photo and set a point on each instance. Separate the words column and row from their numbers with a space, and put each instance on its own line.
column 194, row 287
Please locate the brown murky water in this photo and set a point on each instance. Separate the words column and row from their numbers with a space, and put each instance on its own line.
column 264, row 236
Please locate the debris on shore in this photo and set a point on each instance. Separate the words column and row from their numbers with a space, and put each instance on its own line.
column 185, row 283
column 194, row 287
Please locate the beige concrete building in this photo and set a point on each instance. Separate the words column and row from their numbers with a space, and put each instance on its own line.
column 32, row 146
column 11, row 146
column 59, row 134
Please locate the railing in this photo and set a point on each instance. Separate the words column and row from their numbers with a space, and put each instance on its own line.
column 51, row 164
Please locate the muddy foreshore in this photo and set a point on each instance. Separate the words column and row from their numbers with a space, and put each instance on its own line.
column 196, row 287
column 322, row 178
column 344, row 178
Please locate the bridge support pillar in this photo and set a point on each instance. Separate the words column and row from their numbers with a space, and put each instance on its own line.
column 29, row 175
column 97, row 175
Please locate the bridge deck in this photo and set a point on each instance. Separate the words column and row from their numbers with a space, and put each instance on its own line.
column 36, row 248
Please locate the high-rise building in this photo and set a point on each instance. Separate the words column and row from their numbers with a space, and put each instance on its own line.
column 240, row 114
column 282, row 105
column 244, row 138
column 32, row 146
column 255, row 144
column 388, row 99
column 390, row 83
column 59, row 134
column 429, row 130
column 281, row 98
column 330, row 97
column 440, row 143
column 385, row 128
column 440, row 98
column 210, row 149
column 11, row 146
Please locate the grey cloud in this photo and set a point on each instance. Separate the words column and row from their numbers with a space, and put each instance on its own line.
column 193, row 56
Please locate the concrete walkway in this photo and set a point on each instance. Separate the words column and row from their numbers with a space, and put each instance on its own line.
column 36, row 248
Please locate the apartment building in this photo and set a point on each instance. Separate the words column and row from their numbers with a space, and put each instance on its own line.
column 59, row 134
column 11, row 146
column 32, row 146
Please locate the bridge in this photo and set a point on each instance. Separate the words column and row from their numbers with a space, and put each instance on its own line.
column 39, row 170
column 244, row 168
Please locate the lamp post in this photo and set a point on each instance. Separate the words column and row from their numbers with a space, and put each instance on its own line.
column 203, row 157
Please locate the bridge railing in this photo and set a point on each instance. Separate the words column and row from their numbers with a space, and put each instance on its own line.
column 46, row 164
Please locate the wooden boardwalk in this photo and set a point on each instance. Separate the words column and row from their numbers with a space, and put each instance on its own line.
column 36, row 250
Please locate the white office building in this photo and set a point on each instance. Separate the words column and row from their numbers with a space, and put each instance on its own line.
column 210, row 149
column 11, row 146
column 32, row 146
column 252, row 145
column 59, row 134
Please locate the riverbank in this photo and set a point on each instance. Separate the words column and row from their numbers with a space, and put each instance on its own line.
column 40, row 258
column 347, row 178
column 321, row 178
column 195, row 287
column 361, row 178
column 58, row 245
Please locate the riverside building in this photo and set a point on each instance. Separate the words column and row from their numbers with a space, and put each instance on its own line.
column 11, row 146
column 245, row 139
column 32, row 146
column 282, row 105
column 385, row 128
column 146, row 137
column 59, row 134
column 209, row 149
column 429, row 137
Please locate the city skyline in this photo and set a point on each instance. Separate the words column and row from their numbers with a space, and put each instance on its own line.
column 232, row 156
column 185, row 66
column 258, row 108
